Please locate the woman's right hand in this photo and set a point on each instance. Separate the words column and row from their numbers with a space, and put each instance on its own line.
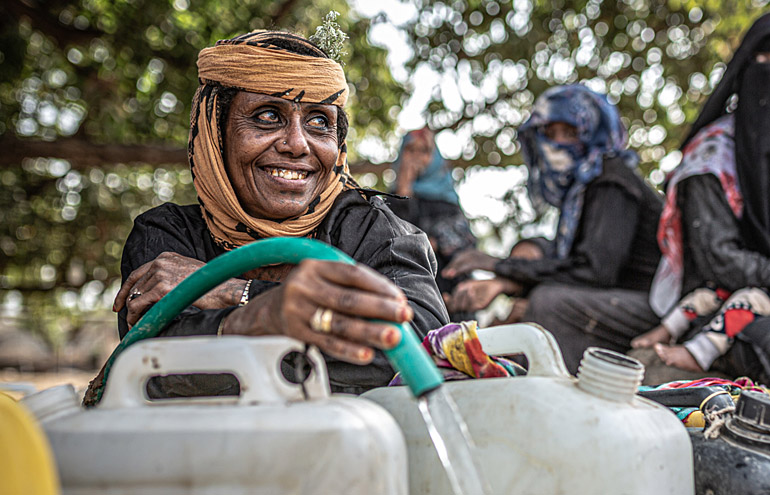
column 474, row 295
column 152, row 281
column 353, row 294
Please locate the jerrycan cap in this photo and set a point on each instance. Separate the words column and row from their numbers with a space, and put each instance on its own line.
column 52, row 401
column 753, row 410
column 750, row 424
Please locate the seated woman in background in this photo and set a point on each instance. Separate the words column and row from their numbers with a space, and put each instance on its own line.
column 589, row 286
column 715, row 229
column 267, row 151
column 431, row 203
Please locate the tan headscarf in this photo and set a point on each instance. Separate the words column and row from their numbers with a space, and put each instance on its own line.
column 251, row 63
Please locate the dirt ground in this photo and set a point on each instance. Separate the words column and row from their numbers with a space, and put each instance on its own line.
column 17, row 384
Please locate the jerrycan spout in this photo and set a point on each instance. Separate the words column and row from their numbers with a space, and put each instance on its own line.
column 609, row 375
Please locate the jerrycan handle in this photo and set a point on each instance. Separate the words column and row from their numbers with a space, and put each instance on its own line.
column 255, row 361
column 534, row 341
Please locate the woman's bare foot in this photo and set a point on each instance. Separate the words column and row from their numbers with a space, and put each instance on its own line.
column 658, row 335
column 677, row 356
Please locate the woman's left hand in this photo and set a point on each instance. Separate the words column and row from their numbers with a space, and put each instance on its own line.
column 467, row 261
column 150, row 282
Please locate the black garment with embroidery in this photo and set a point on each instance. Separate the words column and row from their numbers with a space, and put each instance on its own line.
column 615, row 244
column 366, row 230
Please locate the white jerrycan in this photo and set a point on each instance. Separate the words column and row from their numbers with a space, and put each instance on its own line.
column 270, row 440
column 549, row 433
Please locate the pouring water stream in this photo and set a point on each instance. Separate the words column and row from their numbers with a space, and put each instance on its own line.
column 453, row 443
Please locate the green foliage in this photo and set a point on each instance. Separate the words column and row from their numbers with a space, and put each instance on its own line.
column 120, row 72
column 62, row 234
column 124, row 71
column 656, row 59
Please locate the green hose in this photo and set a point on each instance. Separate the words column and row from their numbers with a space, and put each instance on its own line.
column 408, row 357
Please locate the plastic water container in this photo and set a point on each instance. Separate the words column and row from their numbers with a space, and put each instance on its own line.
column 549, row 433
column 272, row 439
column 26, row 462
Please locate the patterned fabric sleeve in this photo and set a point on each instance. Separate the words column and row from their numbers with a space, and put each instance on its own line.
column 740, row 309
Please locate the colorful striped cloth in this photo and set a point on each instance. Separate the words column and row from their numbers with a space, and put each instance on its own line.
column 692, row 416
column 456, row 350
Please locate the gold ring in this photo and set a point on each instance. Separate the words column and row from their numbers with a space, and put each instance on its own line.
column 321, row 321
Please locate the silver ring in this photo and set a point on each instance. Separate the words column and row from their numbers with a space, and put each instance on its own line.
column 321, row 321
column 134, row 295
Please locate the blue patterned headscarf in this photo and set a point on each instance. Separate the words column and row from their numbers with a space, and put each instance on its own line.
column 435, row 181
column 559, row 173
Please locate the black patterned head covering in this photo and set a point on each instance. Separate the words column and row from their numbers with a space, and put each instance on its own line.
column 259, row 62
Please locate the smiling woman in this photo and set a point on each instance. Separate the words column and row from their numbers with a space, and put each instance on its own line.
column 267, row 152
column 279, row 154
